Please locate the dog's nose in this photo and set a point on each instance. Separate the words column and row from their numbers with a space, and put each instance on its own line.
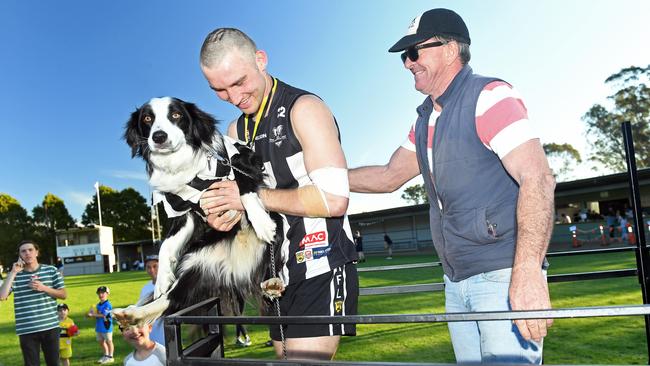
column 159, row 137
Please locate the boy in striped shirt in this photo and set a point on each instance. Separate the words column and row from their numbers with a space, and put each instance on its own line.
column 36, row 288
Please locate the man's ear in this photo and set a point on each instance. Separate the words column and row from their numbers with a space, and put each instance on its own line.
column 261, row 60
column 452, row 52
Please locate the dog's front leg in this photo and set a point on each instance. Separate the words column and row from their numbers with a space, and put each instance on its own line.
column 135, row 314
column 168, row 255
column 262, row 223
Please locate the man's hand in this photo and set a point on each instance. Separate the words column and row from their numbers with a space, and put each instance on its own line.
column 18, row 266
column 222, row 205
column 529, row 291
column 37, row 285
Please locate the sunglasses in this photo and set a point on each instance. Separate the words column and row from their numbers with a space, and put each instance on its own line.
column 413, row 54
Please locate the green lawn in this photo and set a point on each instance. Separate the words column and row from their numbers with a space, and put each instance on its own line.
column 617, row 340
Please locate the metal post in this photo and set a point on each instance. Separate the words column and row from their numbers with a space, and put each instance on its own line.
column 99, row 203
column 642, row 258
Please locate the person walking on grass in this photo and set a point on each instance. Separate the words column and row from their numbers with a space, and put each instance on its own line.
column 388, row 245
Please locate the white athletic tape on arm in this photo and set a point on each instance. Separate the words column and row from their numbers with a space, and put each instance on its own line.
column 331, row 180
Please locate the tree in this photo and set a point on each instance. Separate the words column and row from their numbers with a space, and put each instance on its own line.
column 562, row 158
column 15, row 226
column 415, row 194
column 630, row 103
column 50, row 216
column 126, row 212
column 52, row 213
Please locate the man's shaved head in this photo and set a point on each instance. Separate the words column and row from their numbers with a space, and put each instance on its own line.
column 223, row 41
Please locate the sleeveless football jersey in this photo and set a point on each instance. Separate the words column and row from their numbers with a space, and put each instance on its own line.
column 312, row 246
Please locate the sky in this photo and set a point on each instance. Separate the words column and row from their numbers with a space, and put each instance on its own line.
column 71, row 73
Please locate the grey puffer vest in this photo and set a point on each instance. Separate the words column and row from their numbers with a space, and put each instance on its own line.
column 475, row 231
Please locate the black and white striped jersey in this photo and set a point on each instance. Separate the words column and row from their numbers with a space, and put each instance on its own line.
column 312, row 246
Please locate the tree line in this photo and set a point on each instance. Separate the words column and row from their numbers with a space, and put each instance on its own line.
column 126, row 211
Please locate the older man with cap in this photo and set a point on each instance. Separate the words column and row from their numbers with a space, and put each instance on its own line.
column 151, row 266
column 490, row 188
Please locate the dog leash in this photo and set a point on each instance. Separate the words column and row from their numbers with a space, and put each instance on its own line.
column 276, row 301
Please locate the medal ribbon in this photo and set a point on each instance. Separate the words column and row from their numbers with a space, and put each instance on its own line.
column 260, row 112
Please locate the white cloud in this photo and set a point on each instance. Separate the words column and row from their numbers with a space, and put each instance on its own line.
column 80, row 198
column 125, row 174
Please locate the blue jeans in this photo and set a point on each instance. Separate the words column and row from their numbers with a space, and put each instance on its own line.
column 486, row 341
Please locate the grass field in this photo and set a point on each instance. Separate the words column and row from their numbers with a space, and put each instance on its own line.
column 617, row 340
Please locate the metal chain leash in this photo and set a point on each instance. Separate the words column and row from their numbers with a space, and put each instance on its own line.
column 277, row 303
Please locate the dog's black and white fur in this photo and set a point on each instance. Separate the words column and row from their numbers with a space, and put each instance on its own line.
column 176, row 140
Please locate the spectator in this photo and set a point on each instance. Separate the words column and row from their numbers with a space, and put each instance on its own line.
column 146, row 352
column 622, row 222
column 59, row 265
column 358, row 242
column 103, row 324
column 243, row 339
column 36, row 288
column 583, row 215
column 566, row 219
column 611, row 220
column 388, row 245
column 490, row 188
column 157, row 333
column 68, row 329
column 137, row 265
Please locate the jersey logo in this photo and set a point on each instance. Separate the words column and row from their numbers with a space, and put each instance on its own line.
column 317, row 239
column 278, row 135
column 281, row 112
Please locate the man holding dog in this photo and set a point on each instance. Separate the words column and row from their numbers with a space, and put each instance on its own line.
column 490, row 188
column 296, row 136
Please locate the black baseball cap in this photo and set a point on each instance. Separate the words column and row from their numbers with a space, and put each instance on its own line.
column 103, row 289
column 434, row 22
column 152, row 257
column 62, row 306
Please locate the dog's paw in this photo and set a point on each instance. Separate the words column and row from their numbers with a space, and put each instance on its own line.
column 262, row 223
column 272, row 288
column 265, row 230
column 125, row 316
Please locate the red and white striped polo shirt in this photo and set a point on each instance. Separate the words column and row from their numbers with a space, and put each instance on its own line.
column 501, row 121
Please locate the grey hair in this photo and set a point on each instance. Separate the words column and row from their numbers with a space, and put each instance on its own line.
column 222, row 41
column 463, row 49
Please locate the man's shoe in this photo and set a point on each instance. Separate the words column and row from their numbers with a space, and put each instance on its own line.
column 269, row 343
column 101, row 360
column 245, row 342
column 108, row 360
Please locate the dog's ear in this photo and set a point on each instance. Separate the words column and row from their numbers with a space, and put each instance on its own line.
column 132, row 133
column 202, row 125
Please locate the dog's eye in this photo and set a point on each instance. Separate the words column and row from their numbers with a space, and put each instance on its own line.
column 176, row 115
column 147, row 119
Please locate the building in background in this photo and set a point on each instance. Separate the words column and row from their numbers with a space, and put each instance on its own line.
column 86, row 250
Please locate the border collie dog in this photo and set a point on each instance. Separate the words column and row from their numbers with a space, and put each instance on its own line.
column 184, row 153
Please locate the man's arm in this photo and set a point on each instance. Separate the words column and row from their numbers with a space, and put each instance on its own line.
column 402, row 167
column 60, row 293
column 527, row 164
column 313, row 124
column 5, row 288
